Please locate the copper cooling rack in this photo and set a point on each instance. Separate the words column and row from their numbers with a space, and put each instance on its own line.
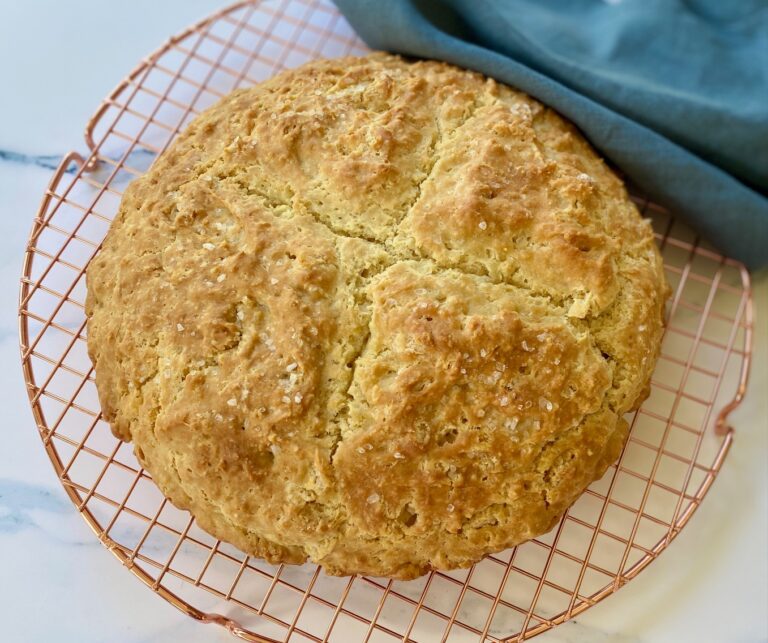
column 677, row 445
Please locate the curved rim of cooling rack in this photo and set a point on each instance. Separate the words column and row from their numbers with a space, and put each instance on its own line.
column 90, row 163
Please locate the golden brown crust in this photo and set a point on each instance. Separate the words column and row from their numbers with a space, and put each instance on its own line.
column 383, row 315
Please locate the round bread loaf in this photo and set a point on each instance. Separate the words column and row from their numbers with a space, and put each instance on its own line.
column 380, row 314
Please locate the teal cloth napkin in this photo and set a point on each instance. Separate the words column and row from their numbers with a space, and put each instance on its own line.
column 674, row 92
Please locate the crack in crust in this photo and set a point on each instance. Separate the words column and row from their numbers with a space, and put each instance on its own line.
column 384, row 315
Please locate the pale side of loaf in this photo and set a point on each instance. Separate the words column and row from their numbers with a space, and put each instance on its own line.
column 383, row 315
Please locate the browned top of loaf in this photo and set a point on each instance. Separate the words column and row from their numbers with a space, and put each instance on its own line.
column 383, row 315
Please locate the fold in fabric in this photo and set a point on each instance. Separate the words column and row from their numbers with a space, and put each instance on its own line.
column 675, row 94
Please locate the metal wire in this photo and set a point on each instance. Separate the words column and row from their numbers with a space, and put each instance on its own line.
column 677, row 443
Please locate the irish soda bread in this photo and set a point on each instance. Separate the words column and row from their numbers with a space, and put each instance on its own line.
column 383, row 315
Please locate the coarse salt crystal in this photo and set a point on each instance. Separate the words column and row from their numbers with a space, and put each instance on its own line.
column 208, row 246
column 511, row 424
column 463, row 371
column 372, row 499
column 232, row 402
column 557, row 361
column 221, row 277
column 360, row 450
column 368, row 447
column 179, row 327
column 450, row 508
column 399, row 456
column 219, row 417
column 483, row 352
column 544, row 403
column 504, row 401
column 482, row 225
column 298, row 398
column 526, row 347
column 240, row 315
column 273, row 281
column 541, row 337
column 641, row 328
column 286, row 399
column 291, row 367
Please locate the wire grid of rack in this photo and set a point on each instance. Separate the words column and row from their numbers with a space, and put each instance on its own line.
column 678, row 441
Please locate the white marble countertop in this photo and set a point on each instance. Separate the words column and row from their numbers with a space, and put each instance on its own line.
column 57, row 60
